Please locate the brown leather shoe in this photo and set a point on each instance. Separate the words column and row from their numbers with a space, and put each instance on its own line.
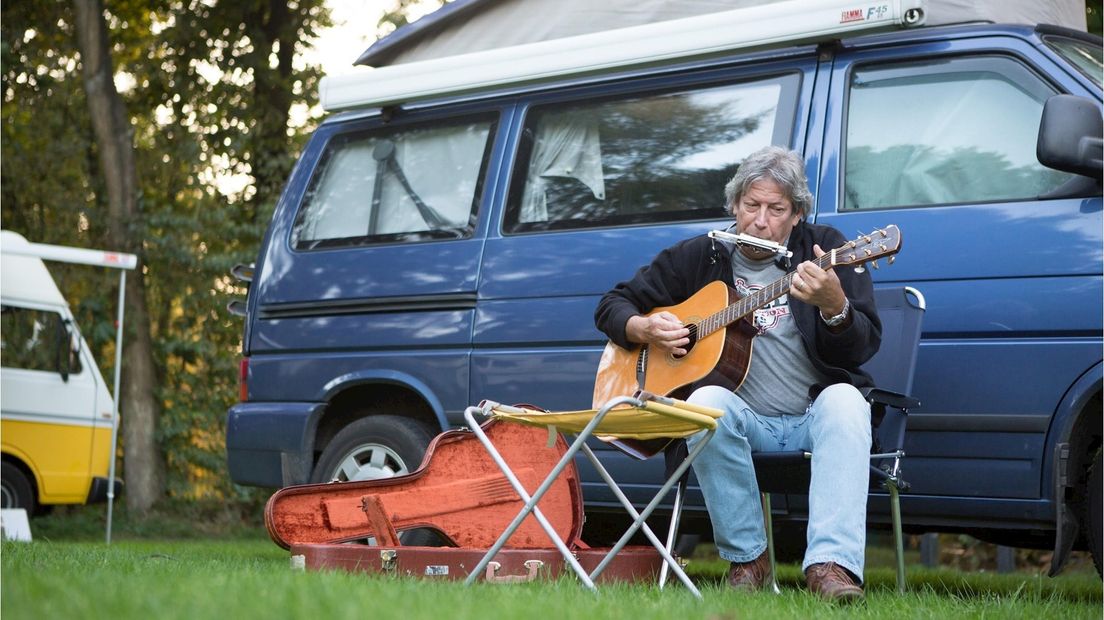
column 750, row 576
column 833, row 582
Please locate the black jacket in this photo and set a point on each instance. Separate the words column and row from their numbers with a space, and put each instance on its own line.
column 682, row 269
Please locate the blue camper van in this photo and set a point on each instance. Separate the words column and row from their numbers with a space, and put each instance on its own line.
column 438, row 244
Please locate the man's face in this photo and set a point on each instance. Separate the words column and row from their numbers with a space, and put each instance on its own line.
column 764, row 211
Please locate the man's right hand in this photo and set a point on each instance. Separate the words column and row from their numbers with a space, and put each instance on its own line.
column 662, row 329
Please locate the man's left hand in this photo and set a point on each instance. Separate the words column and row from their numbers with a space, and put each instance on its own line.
column 818, row 287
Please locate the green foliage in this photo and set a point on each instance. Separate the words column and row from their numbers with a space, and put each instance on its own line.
column 209, row 87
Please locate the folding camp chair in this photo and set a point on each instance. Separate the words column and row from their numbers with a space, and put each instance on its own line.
column 892, row 370
column 901, row 311
column 645, row 418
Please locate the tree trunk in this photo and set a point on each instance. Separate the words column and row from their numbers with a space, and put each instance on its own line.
column 144, row 464
column 273, row 27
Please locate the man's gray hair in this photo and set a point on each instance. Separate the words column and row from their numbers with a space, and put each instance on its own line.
column 781, row 165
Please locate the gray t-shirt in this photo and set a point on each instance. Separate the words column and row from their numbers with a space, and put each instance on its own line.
column 780, row 374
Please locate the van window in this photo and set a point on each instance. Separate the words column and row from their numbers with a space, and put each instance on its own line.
column 954, row 131
column 411, row 183
column 646, row 159
column 35, row 340
column 1088, row 58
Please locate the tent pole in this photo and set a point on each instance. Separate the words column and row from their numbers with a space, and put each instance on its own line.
column 115, row 397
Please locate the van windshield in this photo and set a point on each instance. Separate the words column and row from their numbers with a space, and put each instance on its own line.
column 1089, row 59
column 32, row 339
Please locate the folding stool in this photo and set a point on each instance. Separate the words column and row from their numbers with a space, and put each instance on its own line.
column 625, row 417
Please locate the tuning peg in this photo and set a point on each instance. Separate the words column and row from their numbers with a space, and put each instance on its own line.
column 874, row 264
column 891, row 259
column 860, row 269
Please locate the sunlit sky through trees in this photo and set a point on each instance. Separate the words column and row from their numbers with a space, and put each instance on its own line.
column 354, row 29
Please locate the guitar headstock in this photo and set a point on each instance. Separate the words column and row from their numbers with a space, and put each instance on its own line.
column 869, row 248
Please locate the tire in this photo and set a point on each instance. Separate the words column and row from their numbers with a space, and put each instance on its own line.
column 374, row 448
column 16, row 489
column 1093, row 511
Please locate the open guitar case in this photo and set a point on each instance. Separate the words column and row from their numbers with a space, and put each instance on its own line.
column 463, row 495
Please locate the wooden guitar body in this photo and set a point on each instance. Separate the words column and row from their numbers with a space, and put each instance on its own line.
column 719, row 358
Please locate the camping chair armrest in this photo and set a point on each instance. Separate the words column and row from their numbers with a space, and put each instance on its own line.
column 884, row 476
column 879, row 396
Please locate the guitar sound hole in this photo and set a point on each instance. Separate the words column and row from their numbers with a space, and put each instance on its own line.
column 693, row 327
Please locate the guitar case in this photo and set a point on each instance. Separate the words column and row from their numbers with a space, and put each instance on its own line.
column 459, row 492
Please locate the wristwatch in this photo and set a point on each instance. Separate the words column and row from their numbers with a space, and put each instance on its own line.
column 839, row 318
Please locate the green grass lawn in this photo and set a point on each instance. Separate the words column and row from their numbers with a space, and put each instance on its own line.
column 246, row 576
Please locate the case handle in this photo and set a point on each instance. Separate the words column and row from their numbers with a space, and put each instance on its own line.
column 492, row 573
column 386, row 536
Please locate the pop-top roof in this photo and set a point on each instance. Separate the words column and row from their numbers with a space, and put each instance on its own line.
column 702, row 36
column 465, row 26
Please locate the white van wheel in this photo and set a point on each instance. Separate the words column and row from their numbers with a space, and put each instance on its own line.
column 16, row 490
column 373, row 448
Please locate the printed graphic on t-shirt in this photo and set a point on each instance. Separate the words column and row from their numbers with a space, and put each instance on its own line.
column 767, row 317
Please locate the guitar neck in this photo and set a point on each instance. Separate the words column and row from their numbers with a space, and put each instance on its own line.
column 747, row 305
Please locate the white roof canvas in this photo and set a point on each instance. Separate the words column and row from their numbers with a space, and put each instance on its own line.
column 504, row 23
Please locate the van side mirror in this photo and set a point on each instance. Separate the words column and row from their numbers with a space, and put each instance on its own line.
column 1070, row 136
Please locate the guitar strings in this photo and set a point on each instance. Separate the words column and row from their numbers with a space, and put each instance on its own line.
column 745, row 306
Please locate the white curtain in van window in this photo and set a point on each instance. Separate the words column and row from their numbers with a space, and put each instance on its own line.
column 340, row 204
column 565, row 146
column 442, row 166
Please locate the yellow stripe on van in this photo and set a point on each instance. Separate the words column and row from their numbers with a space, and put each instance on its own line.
column 59, row 455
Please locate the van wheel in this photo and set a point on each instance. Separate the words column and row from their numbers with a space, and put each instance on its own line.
column 377, row 447
column 16, row 490
column 1093, row 511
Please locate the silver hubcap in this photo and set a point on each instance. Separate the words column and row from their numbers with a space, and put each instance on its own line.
column 369, row 462
column 7, row 497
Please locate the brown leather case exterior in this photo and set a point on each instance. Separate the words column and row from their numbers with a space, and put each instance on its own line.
column 632, row 564
column 458, row 490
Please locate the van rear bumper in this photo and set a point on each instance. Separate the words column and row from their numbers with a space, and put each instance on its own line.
column 98, row 491
column 268, row 444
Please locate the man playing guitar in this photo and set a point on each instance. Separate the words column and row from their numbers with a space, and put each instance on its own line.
column 800, row 389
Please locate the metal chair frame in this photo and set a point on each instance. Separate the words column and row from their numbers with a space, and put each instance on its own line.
column 882, row 400
column 579, row 444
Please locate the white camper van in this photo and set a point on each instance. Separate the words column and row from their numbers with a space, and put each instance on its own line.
column 55, row 409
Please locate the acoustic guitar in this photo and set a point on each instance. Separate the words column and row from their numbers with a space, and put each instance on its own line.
column 721, row 331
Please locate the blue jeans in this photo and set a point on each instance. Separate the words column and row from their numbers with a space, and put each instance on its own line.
column 835, row 428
